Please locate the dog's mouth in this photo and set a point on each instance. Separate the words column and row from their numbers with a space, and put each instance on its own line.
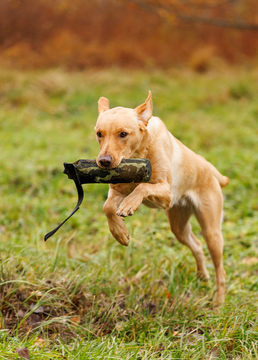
column 106, row 167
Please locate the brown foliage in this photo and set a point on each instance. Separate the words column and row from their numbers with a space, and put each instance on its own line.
column 86, row 33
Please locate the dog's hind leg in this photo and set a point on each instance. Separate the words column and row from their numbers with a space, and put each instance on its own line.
column 209, row 217
column 178, row 217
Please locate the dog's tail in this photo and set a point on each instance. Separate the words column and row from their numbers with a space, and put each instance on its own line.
column 223, row 180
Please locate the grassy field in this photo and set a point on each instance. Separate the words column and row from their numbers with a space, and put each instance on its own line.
column 81, row 295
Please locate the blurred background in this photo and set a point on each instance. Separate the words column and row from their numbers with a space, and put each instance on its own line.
column 57, row 57
column 131, row 33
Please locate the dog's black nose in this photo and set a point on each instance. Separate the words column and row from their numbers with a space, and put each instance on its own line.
column 105, row 160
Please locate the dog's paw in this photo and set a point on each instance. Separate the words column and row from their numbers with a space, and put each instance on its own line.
column 219, row 298
column 123, row 239
column 125, row 212
column 128, row 206
column 119, row 231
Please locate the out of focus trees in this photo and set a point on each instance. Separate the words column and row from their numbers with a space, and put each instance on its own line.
column 163, row 33
column 236, row 14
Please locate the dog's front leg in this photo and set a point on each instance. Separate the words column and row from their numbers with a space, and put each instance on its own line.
column 159, row 193
column 116, row 223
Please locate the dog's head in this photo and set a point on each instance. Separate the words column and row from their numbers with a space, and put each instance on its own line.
column 120, row 131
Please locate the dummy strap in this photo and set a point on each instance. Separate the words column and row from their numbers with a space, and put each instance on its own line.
column 80, row 199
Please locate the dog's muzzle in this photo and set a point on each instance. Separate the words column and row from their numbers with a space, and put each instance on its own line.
column 105, row 161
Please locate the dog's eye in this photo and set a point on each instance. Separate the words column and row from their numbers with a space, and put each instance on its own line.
column 99, row 134
column 123, row 134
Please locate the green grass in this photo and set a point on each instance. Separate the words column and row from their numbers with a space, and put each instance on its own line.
column 81, row 295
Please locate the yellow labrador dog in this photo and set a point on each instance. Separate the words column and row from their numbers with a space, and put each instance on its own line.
column 182, row 182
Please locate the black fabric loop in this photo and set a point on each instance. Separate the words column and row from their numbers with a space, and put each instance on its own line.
column 80, row 199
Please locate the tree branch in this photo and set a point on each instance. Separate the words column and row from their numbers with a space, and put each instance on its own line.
column 209, row 20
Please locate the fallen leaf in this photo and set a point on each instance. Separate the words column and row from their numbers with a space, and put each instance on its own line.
column 167, row 293
column 20, row 313
column 23, row 352
column 177, row 333
column 40, row 342
column 76, row 319
column 33, row 320
column 38, row 310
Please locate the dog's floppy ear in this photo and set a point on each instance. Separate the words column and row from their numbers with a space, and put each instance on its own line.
column 103, row 105
column 144, row 111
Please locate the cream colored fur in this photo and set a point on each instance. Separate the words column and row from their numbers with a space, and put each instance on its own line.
column 182, row 182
